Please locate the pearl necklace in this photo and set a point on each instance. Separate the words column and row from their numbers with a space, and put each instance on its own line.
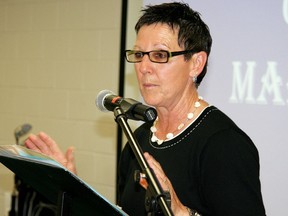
column 170, row 135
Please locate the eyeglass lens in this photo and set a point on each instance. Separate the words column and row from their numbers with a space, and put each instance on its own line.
column 154, row 56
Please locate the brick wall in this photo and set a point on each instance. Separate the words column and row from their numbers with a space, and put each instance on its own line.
column 55, row 56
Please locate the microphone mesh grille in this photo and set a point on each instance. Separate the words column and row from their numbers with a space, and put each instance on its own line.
column 100, row 99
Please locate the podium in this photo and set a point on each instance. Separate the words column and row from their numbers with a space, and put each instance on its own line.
column 72, row 195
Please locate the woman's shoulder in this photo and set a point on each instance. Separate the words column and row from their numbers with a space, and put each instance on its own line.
column 214, row 118
column 215, row 124
column 213, row 121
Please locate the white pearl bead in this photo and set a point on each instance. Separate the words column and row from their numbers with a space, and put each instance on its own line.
column 190, row 116
column 159, row 142
column 180, row 126
column 197, row 104
column 169, row 136
column 153, row 129
column 154, row 138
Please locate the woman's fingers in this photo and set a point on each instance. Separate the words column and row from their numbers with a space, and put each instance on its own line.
column 46, row 145
column 71, row 160
column 36, row 143
column 158, row 171
column 29, row 143
column 155, row 165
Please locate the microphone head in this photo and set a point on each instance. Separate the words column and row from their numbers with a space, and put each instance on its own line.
column 100, row 99
column 22, row 130
column 26, row 128
column 106, row 101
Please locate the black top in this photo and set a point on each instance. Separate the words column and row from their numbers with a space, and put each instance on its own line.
column 213, row 166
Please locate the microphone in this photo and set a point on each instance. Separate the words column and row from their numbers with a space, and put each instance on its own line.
column 21, row 131
column 107, row 101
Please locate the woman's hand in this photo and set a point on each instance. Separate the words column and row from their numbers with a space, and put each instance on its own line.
column 176, row 206
column 44, row 144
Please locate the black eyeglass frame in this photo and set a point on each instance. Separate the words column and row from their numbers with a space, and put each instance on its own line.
column 169, row 54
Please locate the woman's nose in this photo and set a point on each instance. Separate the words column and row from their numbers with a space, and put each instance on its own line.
column 145, row 64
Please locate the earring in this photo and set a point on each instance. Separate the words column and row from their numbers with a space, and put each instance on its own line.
column 194, row 78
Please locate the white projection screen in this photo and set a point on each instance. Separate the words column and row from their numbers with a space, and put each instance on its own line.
column 247, row 78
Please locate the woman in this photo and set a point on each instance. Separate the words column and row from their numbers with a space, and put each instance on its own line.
column 208, row 165
column 197, row 153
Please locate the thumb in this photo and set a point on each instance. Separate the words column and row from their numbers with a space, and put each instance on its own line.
column 71, row 160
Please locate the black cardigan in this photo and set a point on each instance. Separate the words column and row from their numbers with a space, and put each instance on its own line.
column 213, row 166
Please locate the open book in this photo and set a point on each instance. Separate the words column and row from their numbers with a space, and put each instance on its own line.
column 52, row 180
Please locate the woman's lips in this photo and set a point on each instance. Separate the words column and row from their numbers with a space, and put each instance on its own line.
column 149, row 85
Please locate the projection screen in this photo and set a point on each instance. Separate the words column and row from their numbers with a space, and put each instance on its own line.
column 248, row 79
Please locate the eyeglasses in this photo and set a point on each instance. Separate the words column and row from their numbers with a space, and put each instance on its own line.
column 157, row 56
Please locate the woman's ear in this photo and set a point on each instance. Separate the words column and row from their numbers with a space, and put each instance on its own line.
column 198, row 62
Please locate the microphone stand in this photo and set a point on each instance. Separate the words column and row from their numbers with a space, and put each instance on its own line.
column 154, row 194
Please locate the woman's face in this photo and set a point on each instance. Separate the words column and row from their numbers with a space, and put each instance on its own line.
column 162, row 84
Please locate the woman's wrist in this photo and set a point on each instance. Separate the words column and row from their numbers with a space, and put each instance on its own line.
column 192, row 212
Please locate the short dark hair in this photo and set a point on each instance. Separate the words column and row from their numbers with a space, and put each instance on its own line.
column 193, row 34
